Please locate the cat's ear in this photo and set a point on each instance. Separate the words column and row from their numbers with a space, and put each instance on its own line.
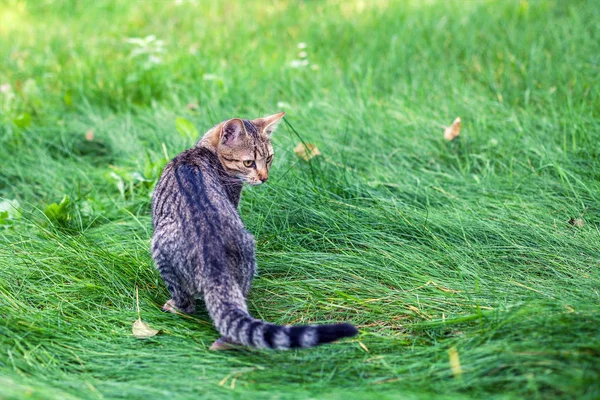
column 232, row 130
column 269, row 124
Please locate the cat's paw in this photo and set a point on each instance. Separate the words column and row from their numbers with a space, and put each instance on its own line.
column 223, row 344
column 170, row 307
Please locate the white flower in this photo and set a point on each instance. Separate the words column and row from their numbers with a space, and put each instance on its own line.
column 142, row 42
column 298, row 63
column 7, row 93
column 152, row 59
column 301, row 45
column 303, row 54
column 211, row 77
column 149, row 47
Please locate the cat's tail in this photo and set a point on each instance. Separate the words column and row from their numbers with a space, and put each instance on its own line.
column 227, row 308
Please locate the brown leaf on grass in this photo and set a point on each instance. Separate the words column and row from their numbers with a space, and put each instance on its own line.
column 306, row 151
column 453, row 130
column 142, row 330
column 89, row 135
column 192, row 106
column 578, row 222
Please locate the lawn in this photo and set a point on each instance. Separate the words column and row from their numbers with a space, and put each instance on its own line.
column 471, row 267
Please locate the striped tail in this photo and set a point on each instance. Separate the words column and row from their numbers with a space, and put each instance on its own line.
column 232, row 320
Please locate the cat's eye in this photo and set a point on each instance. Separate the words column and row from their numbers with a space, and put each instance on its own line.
column 269, row 159
column 249, row 163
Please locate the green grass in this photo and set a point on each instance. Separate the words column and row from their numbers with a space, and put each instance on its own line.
column 425, row 245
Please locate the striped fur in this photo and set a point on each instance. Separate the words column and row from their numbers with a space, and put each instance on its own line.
column 200, row 245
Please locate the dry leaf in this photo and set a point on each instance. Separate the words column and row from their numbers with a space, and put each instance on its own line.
column 142, row 330
column 89, row 135
column 455, row 362
column 578, row 222
column 306, row 151
column 453, row 130
column 192, row 106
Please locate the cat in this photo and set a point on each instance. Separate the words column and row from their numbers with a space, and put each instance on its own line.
column 200, row 245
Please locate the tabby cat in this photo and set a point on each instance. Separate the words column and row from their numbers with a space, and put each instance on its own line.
column 200, row 245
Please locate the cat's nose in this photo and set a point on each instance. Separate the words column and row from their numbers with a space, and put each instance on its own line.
column 263, row 176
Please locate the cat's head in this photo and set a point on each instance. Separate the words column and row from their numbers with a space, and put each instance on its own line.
column 244, row 147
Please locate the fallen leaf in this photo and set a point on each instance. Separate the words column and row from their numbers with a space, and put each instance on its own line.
column 192, row 106
column 306, row 151
column 455, row 362
column 89, row 135
column 578, row 222
column 142, row 330
column 453, row 130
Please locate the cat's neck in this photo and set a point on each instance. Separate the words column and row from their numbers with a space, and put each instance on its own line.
column 233, row 186
column 210, row 140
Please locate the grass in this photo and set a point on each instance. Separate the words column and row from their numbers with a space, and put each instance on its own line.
column 434, row 249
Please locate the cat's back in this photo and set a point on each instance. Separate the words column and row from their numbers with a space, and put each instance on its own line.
column 188, row 188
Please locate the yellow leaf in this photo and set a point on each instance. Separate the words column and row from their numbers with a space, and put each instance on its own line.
column 142, row 330
column 455, row 362
column 453, row 130
column 306, row 151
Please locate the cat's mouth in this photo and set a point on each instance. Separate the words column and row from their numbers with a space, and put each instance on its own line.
column 251, row 182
